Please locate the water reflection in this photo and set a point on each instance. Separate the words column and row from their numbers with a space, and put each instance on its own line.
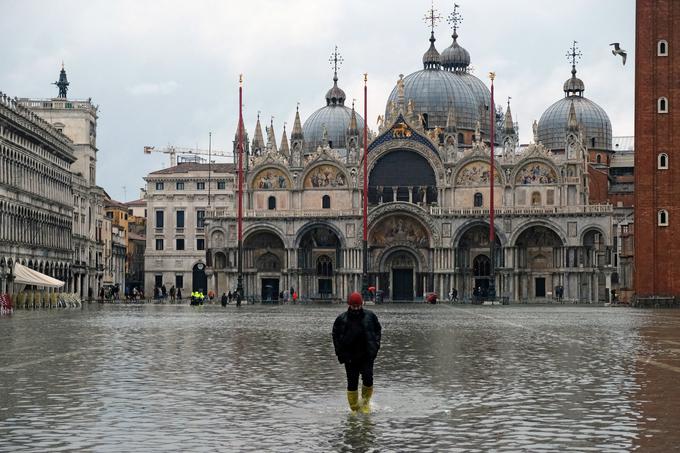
column 176, row 378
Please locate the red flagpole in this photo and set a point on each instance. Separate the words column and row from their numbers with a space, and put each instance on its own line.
column 364, row 279
column 365, row 158
column 239, row 287
column 492, row 234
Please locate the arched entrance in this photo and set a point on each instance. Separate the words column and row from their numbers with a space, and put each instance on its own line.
column 264, row 256
column 199, row 279
column 402, row 268
column 319, row 256
column 538, row 262
column 473, row 259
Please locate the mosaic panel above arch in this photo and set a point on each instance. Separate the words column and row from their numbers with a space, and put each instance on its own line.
column 536, row 173
column 476, row 173
column 271, row 178
column 399, row 229
column 325, row 176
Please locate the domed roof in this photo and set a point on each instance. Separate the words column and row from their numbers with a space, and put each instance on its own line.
column 431, row 59
column 552, row 127
column 455, row 57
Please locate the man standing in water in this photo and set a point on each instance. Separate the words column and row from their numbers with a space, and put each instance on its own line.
column 356, row 338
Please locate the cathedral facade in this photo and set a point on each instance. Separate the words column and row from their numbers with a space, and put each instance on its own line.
column 428, row 198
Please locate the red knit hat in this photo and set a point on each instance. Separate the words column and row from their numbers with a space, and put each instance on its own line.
column 355, row 299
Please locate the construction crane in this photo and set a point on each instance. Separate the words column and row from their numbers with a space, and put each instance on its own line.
column 173, row 151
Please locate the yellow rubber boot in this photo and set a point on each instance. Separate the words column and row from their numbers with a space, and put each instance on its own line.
column 366, row 394
column 353, row 399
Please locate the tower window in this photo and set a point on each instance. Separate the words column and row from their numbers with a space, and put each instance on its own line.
column 326, row 202
column 479, row 200
column 461, row 138
column 662, row 162
column 662, row 48
column 593, row 143
column 598, row 158
column 663, row 217
column 662, row 105
column 271, row 203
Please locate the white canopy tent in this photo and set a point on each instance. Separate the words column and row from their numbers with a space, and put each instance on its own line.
column 26, row 276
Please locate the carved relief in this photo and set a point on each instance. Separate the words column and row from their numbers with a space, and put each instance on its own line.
column 536, row 173
column 401, row 130
column 476, row 174
column 399, row 229
column 325, row 176
column 271, row 178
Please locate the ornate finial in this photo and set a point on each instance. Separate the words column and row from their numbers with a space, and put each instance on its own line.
column 365, row 78
column 297, row 107
column 336, row 61
column 432, row 17
column 240, row 77
column 574, row 55
column 353, row 101
column 455, row 19
column 258, row 115
column 492, row 75
column 509, row 101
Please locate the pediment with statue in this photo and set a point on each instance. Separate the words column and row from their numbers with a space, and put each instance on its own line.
column 401, row 129
column 323, row 153
column 271, row 157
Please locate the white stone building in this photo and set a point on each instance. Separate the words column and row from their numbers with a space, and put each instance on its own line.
column 77, row 119
column 429, row 175
column 177, row 199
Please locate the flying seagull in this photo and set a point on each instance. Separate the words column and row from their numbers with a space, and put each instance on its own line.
column 619, row 51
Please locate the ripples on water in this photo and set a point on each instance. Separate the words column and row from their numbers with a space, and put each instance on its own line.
column 179, row 378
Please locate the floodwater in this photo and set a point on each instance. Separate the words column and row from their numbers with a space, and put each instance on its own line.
column 264, row 378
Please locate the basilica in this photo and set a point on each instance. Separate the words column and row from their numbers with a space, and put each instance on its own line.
column 428, row 194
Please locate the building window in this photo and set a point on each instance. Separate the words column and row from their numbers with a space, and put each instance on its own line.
column 200, row 219
column 663, row 217
column 461, row 139
column 479, row 200
column 271, row 202
column 324, row 266
column 200, row 244
column 662, row 105
column 550, row 197
column 159, row 244
column 598, row 158
column 326, row 202
column 662, row 48
column 159, row 219
column 221, row 185
column 180, row 185
column 179, row 281
column 200, row 186
column 179, row 244
column 180, row 219
column 158, row 280
column 663, row 161
column 536, row 199
column 593, row 143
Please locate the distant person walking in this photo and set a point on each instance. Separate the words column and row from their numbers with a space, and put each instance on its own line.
column 356, row 338
column 224, row 299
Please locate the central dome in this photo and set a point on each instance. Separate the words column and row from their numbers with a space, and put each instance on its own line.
column 435, row 91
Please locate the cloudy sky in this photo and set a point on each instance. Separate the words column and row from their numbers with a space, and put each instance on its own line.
column 166, row 72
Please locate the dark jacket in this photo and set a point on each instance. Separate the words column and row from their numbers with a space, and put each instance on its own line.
column 356, row 338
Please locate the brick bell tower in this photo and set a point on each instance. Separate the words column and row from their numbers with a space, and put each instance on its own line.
column 657, row 158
